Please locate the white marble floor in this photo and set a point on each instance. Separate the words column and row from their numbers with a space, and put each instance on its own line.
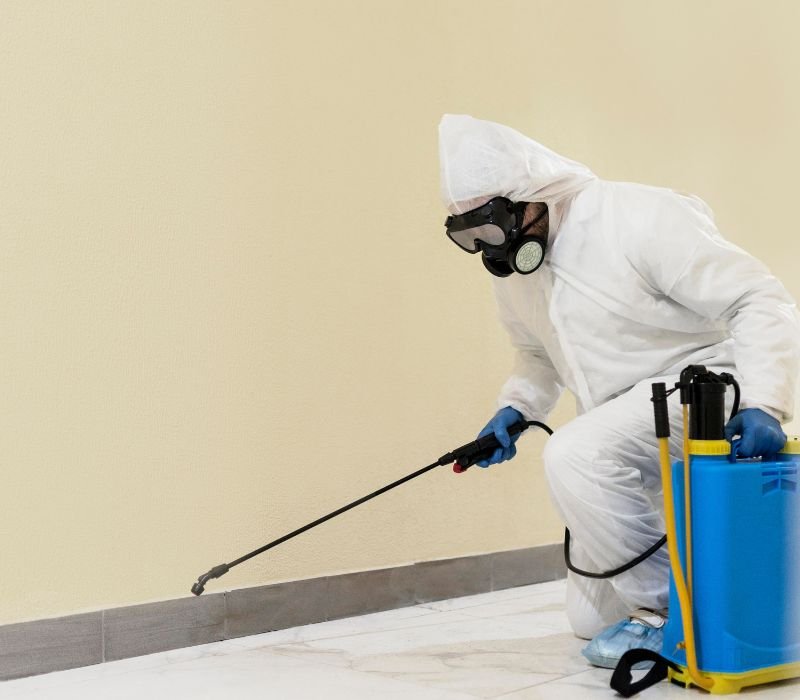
column 513, row 644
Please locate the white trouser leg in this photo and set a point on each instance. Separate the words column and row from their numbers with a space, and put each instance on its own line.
column 592, row 604
column 604, row 476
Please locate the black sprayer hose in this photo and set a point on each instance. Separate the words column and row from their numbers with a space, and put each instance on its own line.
column 662, row 424
column 660, row 395
column 614, row 572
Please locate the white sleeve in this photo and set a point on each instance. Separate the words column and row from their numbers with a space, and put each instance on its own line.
column 687, row 259
column 534, row 385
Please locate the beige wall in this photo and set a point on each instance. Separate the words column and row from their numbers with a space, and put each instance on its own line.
column 226, row 303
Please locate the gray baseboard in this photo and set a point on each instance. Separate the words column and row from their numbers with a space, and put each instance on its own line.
column 42, row 646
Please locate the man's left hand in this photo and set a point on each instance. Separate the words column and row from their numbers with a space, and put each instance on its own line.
column 760, row 434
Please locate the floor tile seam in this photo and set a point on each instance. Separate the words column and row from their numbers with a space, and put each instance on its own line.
column 323, row 650
column 62, row 682
column 527, row 687
column 423, row 683
column 379, row 675
column 536, row 685
column 62, row 679
column 431, row 623
column 34, row 692
column 534, row 592
column 20, row 694
column 472, row 618
column 431, row 604
column 161, row 663
column 530, row 589
column 298, row 657
column 235, row 641
column 502, row 616
column 588, row 669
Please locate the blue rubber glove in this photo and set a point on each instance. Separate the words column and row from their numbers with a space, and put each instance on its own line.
column 499, row 426
column 760, row 434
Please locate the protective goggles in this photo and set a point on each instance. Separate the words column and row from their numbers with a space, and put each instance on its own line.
column 493, row 224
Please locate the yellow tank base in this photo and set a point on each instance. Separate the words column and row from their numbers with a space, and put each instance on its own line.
column 728, row 683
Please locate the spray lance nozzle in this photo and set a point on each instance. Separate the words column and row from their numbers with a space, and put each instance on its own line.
column 216, row 572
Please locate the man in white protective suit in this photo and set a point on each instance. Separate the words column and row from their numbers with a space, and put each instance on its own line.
column 605, row 287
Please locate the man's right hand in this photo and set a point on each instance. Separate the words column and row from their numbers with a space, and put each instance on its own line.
column 499, row 425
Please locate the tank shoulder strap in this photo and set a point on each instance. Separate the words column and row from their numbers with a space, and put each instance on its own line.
column 622, row 676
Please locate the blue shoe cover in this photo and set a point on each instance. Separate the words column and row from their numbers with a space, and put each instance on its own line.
column 607, row 648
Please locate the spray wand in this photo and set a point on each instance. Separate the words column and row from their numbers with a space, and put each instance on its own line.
column 464, row 457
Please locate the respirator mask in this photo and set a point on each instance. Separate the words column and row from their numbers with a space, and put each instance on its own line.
column 496, row 230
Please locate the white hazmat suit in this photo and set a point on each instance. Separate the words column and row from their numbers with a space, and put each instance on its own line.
column 637, row 283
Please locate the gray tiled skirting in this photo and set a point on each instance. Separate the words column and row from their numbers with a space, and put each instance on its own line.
column 41, row 646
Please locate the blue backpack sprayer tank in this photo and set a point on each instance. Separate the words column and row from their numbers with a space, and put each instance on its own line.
column 733, row 533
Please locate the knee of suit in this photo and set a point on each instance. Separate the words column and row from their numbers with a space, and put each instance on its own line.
column 565, row 451
column 584, row 626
